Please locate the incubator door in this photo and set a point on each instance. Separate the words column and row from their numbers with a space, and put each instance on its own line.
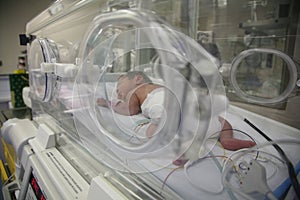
column 41, row 52
column 254, row 78
column 179, row 111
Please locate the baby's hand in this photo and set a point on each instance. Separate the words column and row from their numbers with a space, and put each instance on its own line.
column 115, row 102
column 102, row 102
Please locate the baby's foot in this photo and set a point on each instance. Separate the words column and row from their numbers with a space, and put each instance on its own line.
column 180, row 161
column 236, row 144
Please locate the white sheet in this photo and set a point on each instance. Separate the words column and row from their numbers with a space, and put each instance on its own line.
column 206, row 175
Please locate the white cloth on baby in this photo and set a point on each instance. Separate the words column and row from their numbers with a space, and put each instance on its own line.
column 153, row 105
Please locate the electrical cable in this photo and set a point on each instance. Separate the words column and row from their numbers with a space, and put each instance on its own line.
column 165, row 181
column 190, row 164
column 252, row 178
column 291, row 169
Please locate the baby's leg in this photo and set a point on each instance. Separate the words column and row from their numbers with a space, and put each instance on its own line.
column 151, row 130
column 227, row 140
column 180, row 161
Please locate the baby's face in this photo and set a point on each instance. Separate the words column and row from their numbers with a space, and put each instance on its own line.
column 124, row 86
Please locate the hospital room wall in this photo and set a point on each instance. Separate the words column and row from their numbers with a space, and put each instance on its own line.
column 14, row 14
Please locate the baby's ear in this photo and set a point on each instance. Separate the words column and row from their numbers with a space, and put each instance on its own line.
column 139, row 79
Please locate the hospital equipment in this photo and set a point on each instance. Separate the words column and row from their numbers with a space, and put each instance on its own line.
column 75, row 149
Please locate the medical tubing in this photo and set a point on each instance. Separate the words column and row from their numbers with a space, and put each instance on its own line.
column 46, row 87
column 290, row 166
column 191, row 163
column 238, row 191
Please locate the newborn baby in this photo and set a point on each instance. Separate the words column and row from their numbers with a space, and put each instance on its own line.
column 138, row 94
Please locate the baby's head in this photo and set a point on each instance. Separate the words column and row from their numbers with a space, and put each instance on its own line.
column 129, row 81
column 136, row 74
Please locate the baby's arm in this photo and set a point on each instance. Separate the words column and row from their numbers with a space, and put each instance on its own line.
column 103, row 102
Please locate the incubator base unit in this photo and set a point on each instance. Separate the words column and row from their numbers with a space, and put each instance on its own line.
column 45, row 171
column 53, row 166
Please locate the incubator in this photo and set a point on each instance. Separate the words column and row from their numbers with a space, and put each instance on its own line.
column 210, row 64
